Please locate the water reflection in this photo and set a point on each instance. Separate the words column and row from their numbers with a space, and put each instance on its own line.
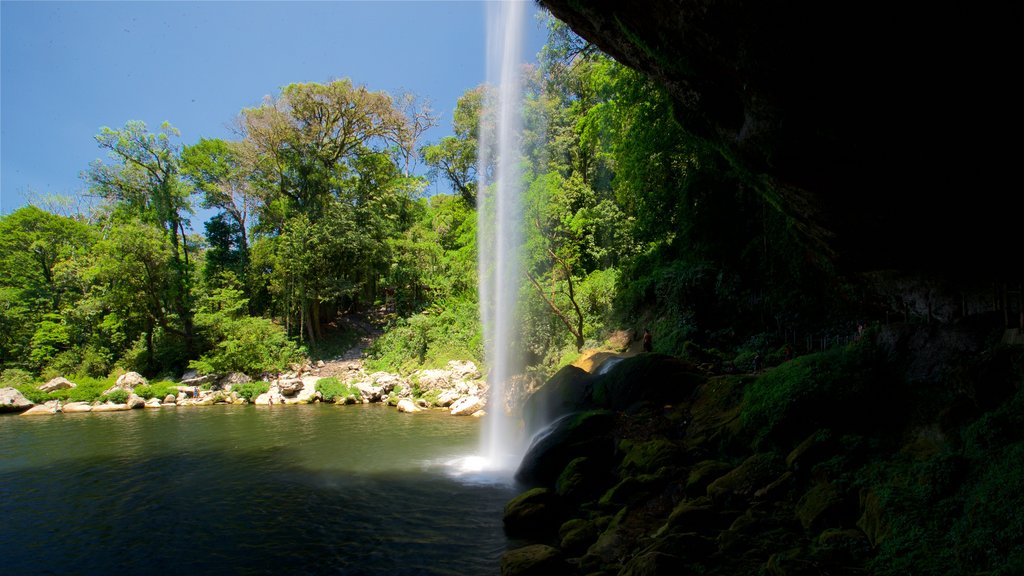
column 308, row 490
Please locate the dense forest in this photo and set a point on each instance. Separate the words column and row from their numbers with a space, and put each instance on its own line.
column 317, row 213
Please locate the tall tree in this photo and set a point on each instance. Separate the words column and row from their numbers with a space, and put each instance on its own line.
column 144, row 178
column 328, row 161
column 455, row 157
column 216, row 168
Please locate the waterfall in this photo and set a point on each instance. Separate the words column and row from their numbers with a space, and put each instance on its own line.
column 499, row 235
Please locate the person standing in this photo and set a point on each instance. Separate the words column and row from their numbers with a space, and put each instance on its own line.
column 648, row 346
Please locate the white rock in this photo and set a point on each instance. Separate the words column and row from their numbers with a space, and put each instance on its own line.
column 406, row 405
column 58, row 383
column 466, row 406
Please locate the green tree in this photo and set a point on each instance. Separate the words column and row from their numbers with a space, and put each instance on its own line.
column 327, row 162
column 455, row 157
column 215, row 167
column 38, row 252
column 144, row 180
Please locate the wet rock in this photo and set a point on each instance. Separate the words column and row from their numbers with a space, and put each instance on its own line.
column 47, row 409
column 572, row 436
column 566, row 392
column 825, row 505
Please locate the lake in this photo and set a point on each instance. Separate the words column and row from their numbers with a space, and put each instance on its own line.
column 309, row 489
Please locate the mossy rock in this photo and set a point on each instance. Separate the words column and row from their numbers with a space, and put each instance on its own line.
column 583, row 479
column 576, row 535
column 704, row 473
column 532, row 514
column 655, row 563
column 533, row 560
column 696, row 517
column 631, row 490
column 842, row 547
column 647, row 457
column 740, row 484
column 825, row 505
column 871, row 520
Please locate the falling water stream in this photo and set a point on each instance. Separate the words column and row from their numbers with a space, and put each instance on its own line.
column 499, row 229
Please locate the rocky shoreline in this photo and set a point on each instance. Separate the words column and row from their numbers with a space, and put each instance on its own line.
column 457, row 388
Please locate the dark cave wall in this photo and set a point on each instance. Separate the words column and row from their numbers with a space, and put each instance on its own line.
column 889, row 129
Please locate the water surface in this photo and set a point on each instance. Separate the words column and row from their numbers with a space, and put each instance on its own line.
column 317, row 489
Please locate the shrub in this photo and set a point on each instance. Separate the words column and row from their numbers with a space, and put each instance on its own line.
column 333, row 389
column 250, row 390
column 429, row 339
column 157, row 390
column 118, row 396
column 15, row 377
column 250, row 345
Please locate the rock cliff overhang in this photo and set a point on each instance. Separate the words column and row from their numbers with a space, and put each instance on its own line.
column 893, row 127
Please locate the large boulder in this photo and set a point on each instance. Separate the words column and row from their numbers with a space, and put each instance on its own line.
column 58, row 383
column 42, row 409
column 290, row 387
column 135, row 401
column 129, row 380
column 233, row 378
column 568, row 391
column 463, row 370
column 12, row 400
column 74, row 407
column 467, row 406
column 583, row 434
column 654, row 378
column 408, row 406
column 533, row 514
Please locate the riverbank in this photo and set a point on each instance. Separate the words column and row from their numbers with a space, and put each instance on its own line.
column 458, row 388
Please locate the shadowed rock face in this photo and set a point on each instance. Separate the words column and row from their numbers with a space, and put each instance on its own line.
column 887, row 129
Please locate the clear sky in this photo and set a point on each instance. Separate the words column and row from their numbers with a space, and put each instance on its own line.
column 69, row 68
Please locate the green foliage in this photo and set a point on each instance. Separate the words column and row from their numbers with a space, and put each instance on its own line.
column 241, row 343
column 333, row 390
column 429, row 339
column 960, row 511
column 15, row 377
column 250, row 390
column 159, row 390
column 830, row 388
column 117, row 396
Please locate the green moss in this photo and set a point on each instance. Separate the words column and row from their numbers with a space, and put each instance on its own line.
column 829, row 388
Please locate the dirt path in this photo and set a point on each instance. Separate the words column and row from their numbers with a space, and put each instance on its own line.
column 352, row 359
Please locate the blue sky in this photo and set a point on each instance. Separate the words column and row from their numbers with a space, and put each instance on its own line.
column 69, row 68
